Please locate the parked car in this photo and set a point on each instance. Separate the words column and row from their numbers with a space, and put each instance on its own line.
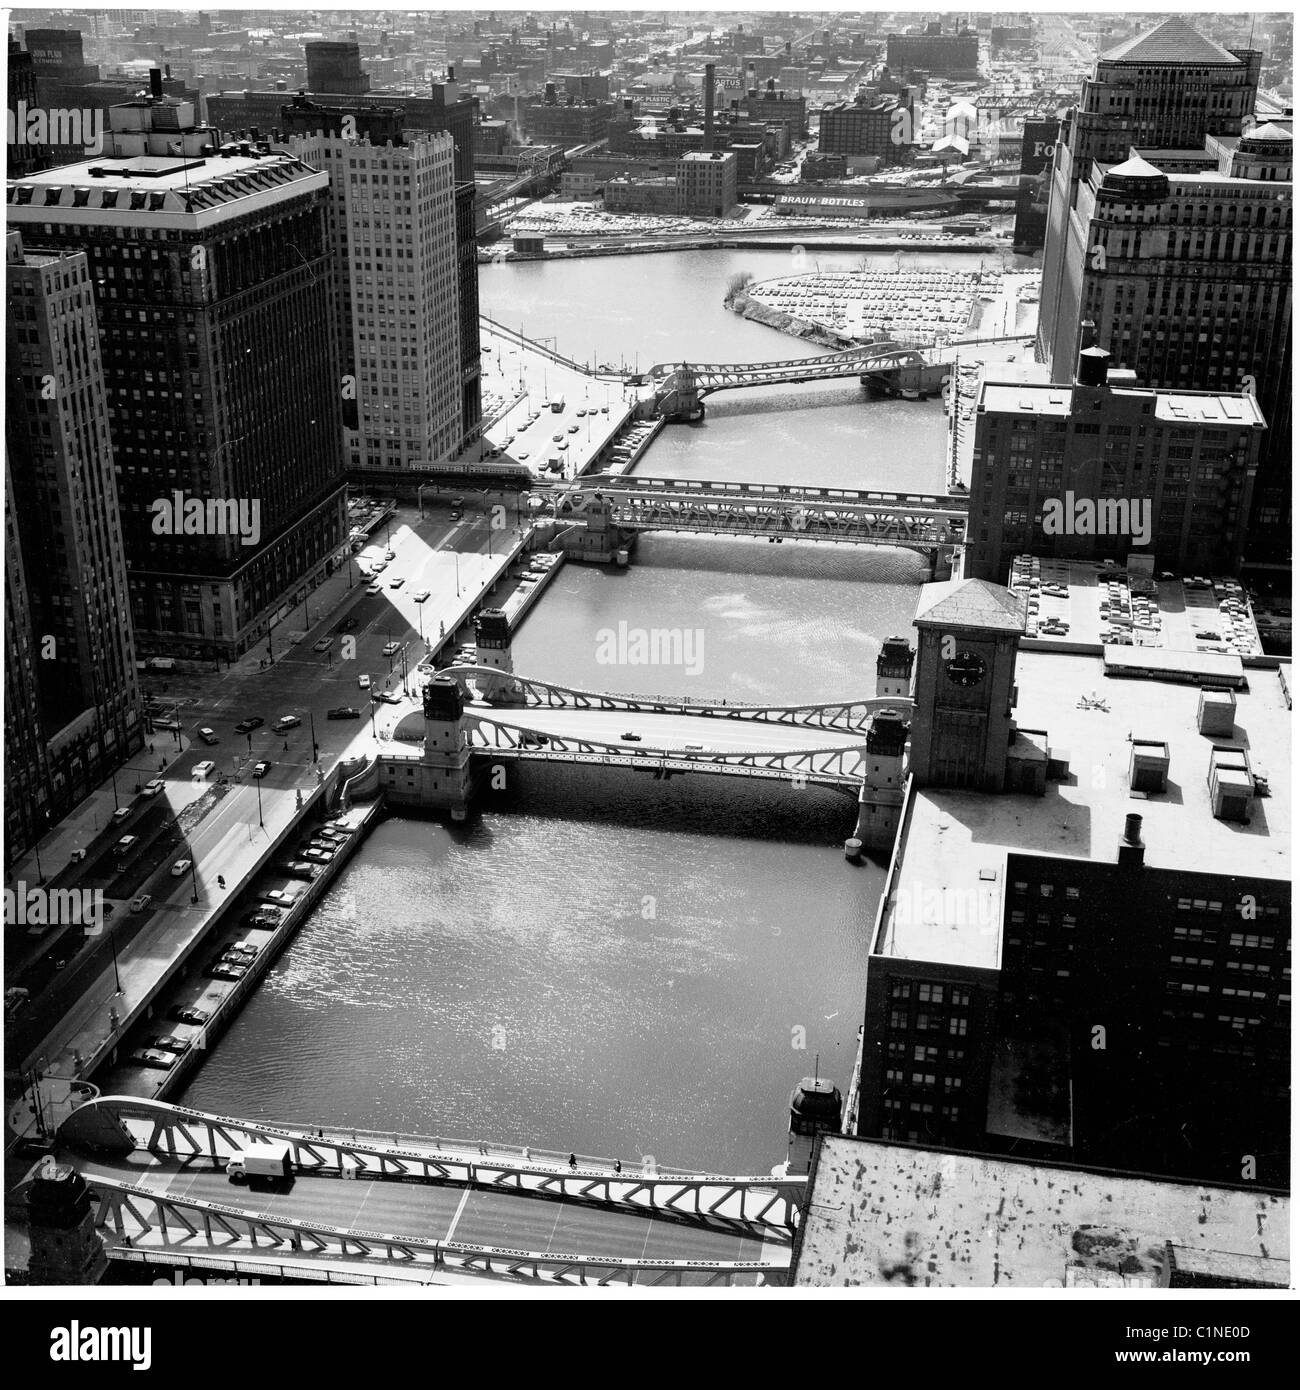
column 264, row 919
column 225, row 970
column 374, row 588
column 153, row 788
column 187, row 1013
column 286, row 721
column 162, row 1061
column 246, row 726
column 261, row 769
column 167, row 1042
column 278, row 897
column 208, row 736
column 239, row 951
column 298, row 868
column 180, row 867
column 315, row 855
column 343, row 712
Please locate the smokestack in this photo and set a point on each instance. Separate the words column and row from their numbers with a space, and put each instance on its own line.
column 1087, row 334
column 1131, row 849
column 451, row 72
column 710, row 71
column 155, row 84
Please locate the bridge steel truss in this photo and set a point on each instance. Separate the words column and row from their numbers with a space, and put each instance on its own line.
column 851, row 716
column 187, row 1136
column 837, row 767
column 143, row 1218
column 702, row 378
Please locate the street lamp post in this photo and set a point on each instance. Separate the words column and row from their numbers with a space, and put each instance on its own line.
column 258, row 782
column 315, row 747
column 112, row 772
column 194, row 879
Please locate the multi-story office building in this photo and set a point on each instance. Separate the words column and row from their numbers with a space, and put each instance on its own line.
column 1169, row 474
column 73, row 712
column 881, row 128
column 211, row 269
column 393, row 223
column 448, row 109
column 1200, row 249
column 706, row 183
column 335, row 66
column 23, row 95
column 948, row 55
column 1183, row 263
column 1084, row 937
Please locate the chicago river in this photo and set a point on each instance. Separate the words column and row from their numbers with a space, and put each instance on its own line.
column 701, row 939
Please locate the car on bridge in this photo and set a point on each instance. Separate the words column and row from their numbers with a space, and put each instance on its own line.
column 187, row 1013
column 167, row 1042
column 246, row 726
column 630, row 737
column 162, row 1061
column 374, row 588
column 396, row 583
column 343, row 712
column 420, row 595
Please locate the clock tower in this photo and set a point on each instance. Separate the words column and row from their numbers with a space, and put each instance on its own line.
column 969, row 630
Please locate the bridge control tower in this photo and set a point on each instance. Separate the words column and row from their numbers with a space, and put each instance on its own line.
column 65, row 1246
column 492, row 650
column 815, row 1108
column 445, row 776
column 880, row 802
column 894, row 667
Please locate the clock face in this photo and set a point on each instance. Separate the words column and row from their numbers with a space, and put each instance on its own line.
column 966, row 669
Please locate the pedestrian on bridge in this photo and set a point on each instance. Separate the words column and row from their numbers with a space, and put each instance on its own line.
column 618, row 1165
column 573, row 1162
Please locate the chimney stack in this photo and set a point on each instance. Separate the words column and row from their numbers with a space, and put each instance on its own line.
column 1131, row 849
column 155, row 84
column 710, row 74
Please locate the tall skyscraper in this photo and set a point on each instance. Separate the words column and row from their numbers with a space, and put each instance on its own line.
column 393, row 228
column 1169, row 227
column 211, row 270
column 72, row 711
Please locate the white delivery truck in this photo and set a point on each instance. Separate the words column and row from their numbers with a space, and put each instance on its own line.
column 273, row 1160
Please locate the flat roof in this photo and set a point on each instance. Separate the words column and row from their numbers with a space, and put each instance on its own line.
column 946, row 902
column 185, row 191
column 885, row 1213
column 1182, row 407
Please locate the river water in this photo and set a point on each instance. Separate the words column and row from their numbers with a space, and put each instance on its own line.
column 608, row 963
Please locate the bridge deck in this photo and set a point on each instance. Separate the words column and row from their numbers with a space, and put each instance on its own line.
column 450, row 1213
